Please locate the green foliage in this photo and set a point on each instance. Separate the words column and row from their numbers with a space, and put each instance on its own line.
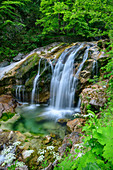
column 12, row 167
column 86, row 18
column 6, row 116
column 45, row 164
column 66, row 164
column 94, row 80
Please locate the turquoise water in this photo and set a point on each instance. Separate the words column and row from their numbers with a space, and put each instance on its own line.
column 41, row 120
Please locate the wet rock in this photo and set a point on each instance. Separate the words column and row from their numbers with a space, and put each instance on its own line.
column 7, row 104
column 20, row 136
column 84, row 76
column 4, row 64
column 102, row 59
column 63, row 121
column 22, row 168
column 18, row 57
column 47, row 139
column 68, row 142
column 6, row 138
column 74, row 125
column 93, row 95
column 11, row 134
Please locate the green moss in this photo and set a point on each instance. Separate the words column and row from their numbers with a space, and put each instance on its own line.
column 6, row 116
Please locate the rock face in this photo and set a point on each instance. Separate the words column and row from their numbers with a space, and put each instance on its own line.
column 7, row 104
column 93, row 95
column 19, row 79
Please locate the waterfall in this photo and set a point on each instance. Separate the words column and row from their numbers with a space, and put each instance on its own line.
column 35, row 83
column 51, row 65
column 18, row 92
column 95, row 68
column 20, row 89
column 64, row 83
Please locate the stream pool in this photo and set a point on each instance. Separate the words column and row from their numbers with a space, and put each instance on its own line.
column 40, row 120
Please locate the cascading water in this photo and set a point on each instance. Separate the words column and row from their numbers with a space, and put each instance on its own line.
column 62, row 79
column 51, row 65
column 35, row 83
column 95, row 68
column 20, row 89
column 63, row 83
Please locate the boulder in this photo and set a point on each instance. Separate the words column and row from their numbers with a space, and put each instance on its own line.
column 7, row 104
column 74, row 125
column 93, row 95
column 63, row 121
column 19, row 57
column 69, row 142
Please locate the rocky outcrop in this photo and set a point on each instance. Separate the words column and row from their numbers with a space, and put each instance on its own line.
column 23, row 72
column 75, row 125
column 7, row 104
column 93, row 96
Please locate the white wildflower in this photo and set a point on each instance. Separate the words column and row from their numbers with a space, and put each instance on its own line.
column 20, row 164
column 80, row 145
column 76, row 114
column 58, row 158
column 56, row 155
column 41, row 151
column 9, row 158
column 7, row 150
column 16, row 143
column 40, row 158
column 80, row 154
column 50, row 147
column 27, row 153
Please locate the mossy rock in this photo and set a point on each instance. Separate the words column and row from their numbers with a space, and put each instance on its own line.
column 6, row 116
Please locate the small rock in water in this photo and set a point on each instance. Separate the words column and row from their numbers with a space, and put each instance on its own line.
column 63, row 121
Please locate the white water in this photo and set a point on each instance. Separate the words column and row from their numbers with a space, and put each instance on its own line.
column 63, row 83
column 51, row 65
column 20, row 90
column 35, row 83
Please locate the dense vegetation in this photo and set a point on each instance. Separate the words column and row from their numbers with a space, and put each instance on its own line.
column 27, row 24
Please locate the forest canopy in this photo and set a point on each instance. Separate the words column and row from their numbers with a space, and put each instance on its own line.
column 27, row 24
